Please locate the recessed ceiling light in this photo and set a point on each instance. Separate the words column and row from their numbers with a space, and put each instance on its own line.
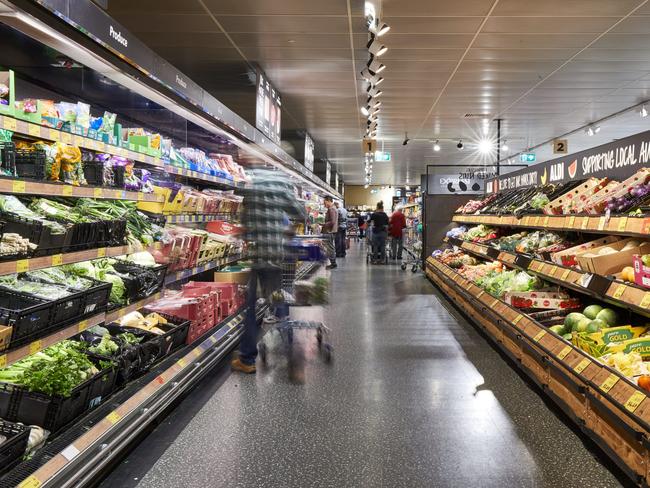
column 436, row 146
column 485, row 146
column 291, row 41
column 643, row 112
column 504, row 146
column 365, row 110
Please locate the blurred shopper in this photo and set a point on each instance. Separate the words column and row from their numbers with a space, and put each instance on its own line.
column 379, row 221
column 363, row 223
column 343, row 228
column 329, row 230
column 268, row 205
column 396, row 228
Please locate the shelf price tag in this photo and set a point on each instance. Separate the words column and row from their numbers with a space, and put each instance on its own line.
column 57, row 260
column 546, row 221
column 572, row 220
column 609, row 383
column 83, row 325
column 66, row 138
column 601, row 222
column 582, row 365
column 565, row 274
column 622, row 224
column 480, row 294
column 113, row 417
column 539, row 335
column 140, row 196
column 181, row 362
column 10, row 124
column 585, row 223
column 3, row 361
column 564, row 352
column 31, row 482
column 18, row 187
column 551, row 272
column 22, row 265
column 634, row 401
column 66, row 190
column 536, row 221
column 97, row 193
column 494, row 303
column 101, row 252
column 517, row 319
column 619, row 291
column 54, row 135
column 34, row 130
column 645, row 301
column 35, row 346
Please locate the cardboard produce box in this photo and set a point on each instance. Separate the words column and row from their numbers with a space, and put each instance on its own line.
column 235, row 275
column 541, row 299
column 606, row 264
column 5, row 337
column 569, row 202
column 598, row 202
column 567, row 257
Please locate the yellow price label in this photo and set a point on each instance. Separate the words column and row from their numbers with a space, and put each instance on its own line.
column 619, row 291
column 22, row 265
column 57, row 260
column 119, row 194
column 564, row 352
column 140, row 196
column 113, row 417
column 536, row 220
column 494, row 303
column 582, row 365
column 101, row 252
column 121, row 312
column 34, row 130
column 552, row 271
column 66, row 138
column 634, row 401
column 601, row 223
column 585, row 223
column 609, row 383
column 565, row 274
column 3, row 361
column 10, row 124
column 539, row 335
column 645, row 301
column 18, row 187
column 517, row 319
column 83, row 325
column 196, row 351
column 546, row 219
column 66, row 190
column 480, row 294
column 181, row 362
column 572, row 220
column 31, row 482
column 97, row 193
column 622, row 224
column 54, row 135
column 35, row 346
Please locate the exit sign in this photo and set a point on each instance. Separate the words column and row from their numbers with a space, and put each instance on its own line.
column 527, row 157
column 382, row 156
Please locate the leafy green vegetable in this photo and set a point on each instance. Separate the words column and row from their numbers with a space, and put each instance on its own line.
column 11, row 205
column 106, row 347
column 129, row 338
column 118, row 290
column 56, row 370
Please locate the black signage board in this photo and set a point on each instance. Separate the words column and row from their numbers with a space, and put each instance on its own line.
column 309, row 153
column 268, row 111
column 616, row 160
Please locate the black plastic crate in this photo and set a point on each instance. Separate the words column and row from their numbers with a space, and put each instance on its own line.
column 176, row 328
column 96, row 174
column 27, row 315
column 47, row 243
column 7, row 158
column 96, row 297
column 111, row 232
column 30, row 164
column 145, row 281
column 52, row 412
column 12, row 449
column 64, row 309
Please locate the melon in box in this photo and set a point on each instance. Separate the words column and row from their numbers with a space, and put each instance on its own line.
column 541, row 300
column 611, row 258
column 567, row 257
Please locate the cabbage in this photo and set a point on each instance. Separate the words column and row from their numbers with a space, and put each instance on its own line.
column 85, row 268
column 118, row 290
column 143, row 258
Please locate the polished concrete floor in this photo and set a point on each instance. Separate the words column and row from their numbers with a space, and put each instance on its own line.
column 416, row 397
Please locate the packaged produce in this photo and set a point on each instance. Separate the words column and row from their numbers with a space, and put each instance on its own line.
column 541, row 300
column 567, row 257
column 480, row 233
column 611, row 258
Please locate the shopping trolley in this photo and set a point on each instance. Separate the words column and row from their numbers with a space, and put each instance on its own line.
column 302, row 260
column 370, row 248
column 411, row 255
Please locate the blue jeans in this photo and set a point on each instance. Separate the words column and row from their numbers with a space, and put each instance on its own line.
column 379, row 245
column 270, row 279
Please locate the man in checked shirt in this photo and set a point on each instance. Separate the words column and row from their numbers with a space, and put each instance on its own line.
column 267, row 204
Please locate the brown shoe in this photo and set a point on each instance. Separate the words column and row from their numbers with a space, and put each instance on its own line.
column 237, row 365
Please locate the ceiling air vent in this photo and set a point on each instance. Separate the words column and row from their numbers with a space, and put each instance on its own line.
column 477, row 116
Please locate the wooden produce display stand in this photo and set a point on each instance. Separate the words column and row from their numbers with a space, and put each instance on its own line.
column 605, row 405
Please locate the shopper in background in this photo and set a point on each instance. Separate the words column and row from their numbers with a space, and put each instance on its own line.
column 363, row 223
column 396, row 228
column 329, row 230
column 343, row 228
column 268, row 205
column 379, row 221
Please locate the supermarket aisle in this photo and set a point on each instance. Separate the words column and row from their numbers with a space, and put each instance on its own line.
column 416, row 398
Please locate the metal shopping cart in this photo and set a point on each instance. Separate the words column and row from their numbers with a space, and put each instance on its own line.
column 411, row 255
column 302, row 260
column 370, row 249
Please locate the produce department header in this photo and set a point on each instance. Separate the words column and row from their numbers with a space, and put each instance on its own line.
column 617, row 160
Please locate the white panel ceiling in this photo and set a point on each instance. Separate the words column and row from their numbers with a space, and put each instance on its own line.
column 545, row 67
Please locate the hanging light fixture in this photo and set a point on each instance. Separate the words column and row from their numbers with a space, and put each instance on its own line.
column 375, row 47
column 375, row 67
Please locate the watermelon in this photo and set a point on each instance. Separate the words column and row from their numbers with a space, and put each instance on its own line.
column 609, row 316
column 581, row 325
column 591, row 311
column 558, row 329
column 571, row 320
column 567, row 337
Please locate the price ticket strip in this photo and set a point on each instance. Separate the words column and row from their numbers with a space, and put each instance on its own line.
column 78, row 463
column 619, row 412
column 24, row 128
